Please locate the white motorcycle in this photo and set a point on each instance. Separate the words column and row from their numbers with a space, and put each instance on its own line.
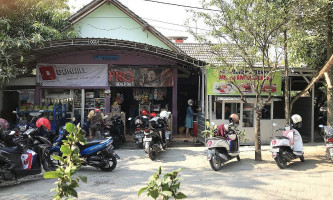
column 287, row 147
column 222, row 148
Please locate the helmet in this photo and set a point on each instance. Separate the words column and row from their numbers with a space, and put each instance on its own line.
column 190, row 102
column 4, row 124
column 296, row 121
column 234, row 119
column 152, row 115
column 43, row 122
column 144, row 112
column 165, row 114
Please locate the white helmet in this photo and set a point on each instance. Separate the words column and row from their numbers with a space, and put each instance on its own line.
column 165, row 114
column 296, row 121
column 190, row 102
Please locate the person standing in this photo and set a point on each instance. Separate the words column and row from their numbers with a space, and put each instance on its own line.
column 189, row 117
column 96, row 118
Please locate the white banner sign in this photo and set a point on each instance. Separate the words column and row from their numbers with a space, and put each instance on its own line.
column 72, row 75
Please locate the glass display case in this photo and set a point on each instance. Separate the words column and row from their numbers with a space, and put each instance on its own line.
column 248, row 114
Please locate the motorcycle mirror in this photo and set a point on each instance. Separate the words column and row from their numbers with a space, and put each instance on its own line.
column 130, row 118
column 321, row 126
column 274, row 124
column 12, row 132
column 35, row 114
column 14, row 112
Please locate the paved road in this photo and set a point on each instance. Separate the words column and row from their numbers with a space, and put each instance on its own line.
column 246, row 179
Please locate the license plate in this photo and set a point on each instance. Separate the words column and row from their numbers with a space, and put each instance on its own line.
column 147, row 139
column 275, row 150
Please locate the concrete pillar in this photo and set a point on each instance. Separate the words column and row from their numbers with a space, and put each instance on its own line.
column 174, row 102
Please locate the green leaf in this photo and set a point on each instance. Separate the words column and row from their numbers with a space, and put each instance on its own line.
column 167, row 193
column 53, row 174
column 154, row 193
column 83, row 178
column 70, row 127
column 142, row 190
column 56, row 157
column 180, row 195
column 65, row 150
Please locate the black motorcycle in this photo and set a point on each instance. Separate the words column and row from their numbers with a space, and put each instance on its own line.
column 155, row 140
column 114, row 127
column 26, row 158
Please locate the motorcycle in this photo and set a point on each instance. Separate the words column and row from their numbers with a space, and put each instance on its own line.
column 26, row 158
column 97, row 152
column 287, row 147
column 155, row 138
column 9, row 138
column 326, row 132
column 114, row 127
column 140, row 122
column 223, row 147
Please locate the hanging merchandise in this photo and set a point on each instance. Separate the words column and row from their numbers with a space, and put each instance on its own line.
column 155, row 93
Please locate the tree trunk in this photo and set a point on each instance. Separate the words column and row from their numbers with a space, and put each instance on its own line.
column 286, row 80
column 257, row 141
column 330, row 72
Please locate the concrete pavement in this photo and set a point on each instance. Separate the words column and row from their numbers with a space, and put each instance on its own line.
column 246, row 179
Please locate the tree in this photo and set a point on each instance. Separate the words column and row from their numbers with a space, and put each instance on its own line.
column 28, row 22
column 310, row 41
column 248, row 30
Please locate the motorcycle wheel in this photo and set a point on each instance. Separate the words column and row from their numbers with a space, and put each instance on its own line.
column 109, row 166
column 281, row 162
column 48, row 164
column 302, row 158
column 151, row 154
column 215, row 163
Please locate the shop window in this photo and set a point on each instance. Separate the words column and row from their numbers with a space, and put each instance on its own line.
column 278, row 110
column 230, row 108
column 266, row 112
column 218, row 110
column 248, row 114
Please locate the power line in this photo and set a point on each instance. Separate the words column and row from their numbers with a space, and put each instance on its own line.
column 173, row 4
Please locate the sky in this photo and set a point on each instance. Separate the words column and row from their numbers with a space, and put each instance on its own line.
column 167, row 19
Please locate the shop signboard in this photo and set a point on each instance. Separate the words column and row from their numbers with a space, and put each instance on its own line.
column 217, row 83
column 68, row 75
column 141, row 77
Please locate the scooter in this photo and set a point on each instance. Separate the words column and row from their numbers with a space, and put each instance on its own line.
column 98, row 153
column 26, row 158
column 326, row 132
column 141, row 122
column 287, row 147
column 155, row 138
column 222, row 147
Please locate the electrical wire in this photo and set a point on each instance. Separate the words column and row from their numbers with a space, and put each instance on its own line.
column 173, row 4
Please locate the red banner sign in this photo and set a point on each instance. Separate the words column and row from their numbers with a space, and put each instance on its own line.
column 141, row 77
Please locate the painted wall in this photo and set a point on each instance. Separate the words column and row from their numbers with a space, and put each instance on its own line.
column 124, row 58
column 109, row 22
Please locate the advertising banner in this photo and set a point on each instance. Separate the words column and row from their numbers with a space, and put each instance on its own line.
column 141, row 77
column 217, row 83
column 68, row 75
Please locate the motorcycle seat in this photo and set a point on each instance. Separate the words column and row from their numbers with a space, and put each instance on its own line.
column 12, row 150
column 281, row 137
column 92, row 143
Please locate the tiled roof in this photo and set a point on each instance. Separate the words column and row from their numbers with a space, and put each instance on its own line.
column 204, row 53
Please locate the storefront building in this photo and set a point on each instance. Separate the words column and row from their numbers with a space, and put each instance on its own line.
column 124, row 69
column 221, row 99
